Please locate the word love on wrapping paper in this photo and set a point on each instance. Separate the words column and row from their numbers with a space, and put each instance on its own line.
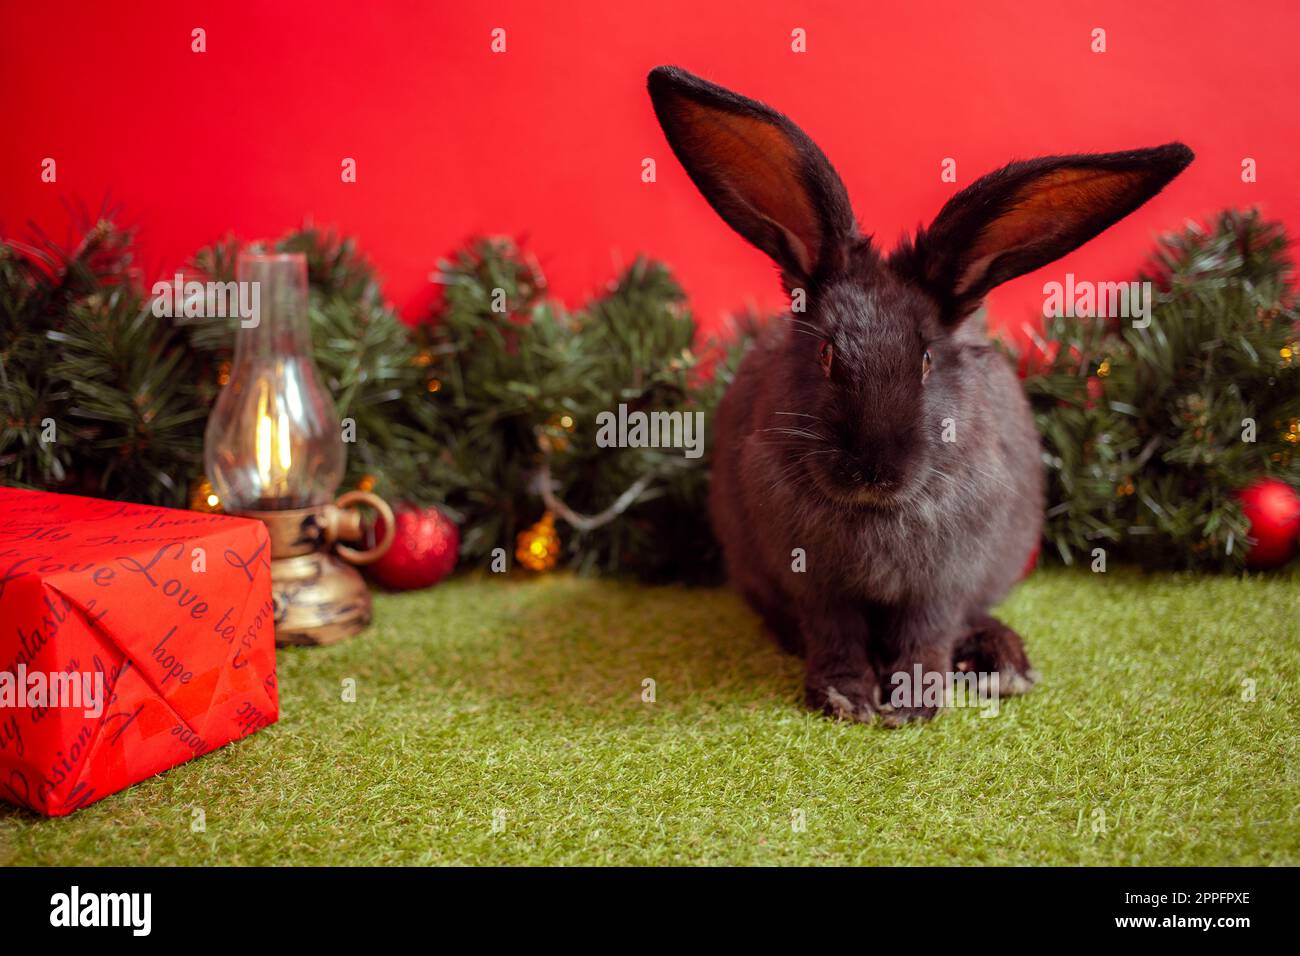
column 171, row 588
column 172, row 607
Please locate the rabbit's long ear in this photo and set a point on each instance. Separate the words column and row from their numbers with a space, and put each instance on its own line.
column 761, row 173
column 1027, row 214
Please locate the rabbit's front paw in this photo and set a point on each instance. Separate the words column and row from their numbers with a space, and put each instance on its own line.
column 991, row 647
column 851, row 699
column 898, row 716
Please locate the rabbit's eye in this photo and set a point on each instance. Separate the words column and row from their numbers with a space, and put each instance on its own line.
column 925, row 365
column 825, row 356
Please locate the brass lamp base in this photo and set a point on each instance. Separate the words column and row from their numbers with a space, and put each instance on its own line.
column 319, row 599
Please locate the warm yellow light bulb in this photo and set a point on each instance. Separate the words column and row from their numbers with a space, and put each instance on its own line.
column 264, row 439
column 273, row 439
column 285, row 436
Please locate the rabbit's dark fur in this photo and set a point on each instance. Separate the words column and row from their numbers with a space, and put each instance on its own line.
column 877, row 484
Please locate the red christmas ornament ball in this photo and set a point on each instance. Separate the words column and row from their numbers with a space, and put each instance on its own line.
column 425, row 547
column 1273, row 509
column 1032, row 562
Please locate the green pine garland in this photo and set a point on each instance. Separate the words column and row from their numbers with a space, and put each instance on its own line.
column 1141, row 427
column 454, row 412
column 97, row 395
column 509, row 378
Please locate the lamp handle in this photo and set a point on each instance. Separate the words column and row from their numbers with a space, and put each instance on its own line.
column 344, row 525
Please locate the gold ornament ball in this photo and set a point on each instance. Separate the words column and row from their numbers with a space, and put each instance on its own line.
column 538, row 548
column 553, row 436
column 203, row 497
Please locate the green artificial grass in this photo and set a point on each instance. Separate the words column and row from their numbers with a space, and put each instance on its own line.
column 524, row 696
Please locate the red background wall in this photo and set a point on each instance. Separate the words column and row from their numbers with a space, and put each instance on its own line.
column 545, row 141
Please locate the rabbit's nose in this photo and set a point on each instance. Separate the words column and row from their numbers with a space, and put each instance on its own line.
column 866, row 469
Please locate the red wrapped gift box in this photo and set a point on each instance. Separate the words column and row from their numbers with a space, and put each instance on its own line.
column 132, row 639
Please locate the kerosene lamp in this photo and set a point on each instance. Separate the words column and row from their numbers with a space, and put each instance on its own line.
column 274, row 451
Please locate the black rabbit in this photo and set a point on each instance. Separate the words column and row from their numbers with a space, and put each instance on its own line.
column 877, row 482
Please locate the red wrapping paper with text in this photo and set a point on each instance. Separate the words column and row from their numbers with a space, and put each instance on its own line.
column 171, row 609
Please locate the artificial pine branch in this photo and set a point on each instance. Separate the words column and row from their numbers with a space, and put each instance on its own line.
column 519, row 377
column 77, row 406
column 1143, row 427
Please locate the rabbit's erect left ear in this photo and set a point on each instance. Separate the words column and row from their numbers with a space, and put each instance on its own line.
column 759, row 171
column 1028, row 214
